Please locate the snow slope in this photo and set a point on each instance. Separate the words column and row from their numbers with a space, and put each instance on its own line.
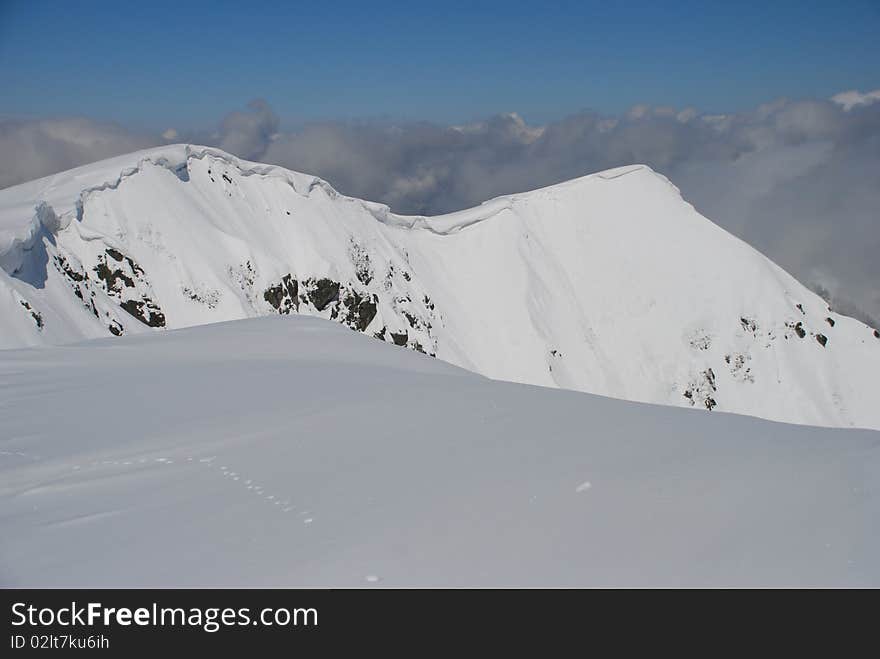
column 610, row 284
column 311, row 455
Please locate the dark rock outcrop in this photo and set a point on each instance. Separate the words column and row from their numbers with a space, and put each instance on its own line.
column 123, row 279
column 283, row 296
column 145, row 311
column 322, row 292
column 37, row 317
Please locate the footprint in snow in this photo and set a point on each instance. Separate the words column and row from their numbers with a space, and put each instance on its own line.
column 19, row 454
column 248, row 484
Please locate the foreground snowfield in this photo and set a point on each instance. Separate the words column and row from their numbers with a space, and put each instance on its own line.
column 610, row 284
column 287, row 451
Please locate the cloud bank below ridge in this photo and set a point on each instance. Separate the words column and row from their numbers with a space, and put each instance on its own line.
column 800, row 180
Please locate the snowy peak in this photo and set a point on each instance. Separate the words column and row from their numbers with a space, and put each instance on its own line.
column 610, row 283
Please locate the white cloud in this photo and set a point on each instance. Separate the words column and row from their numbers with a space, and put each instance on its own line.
column 849, row 100
column 248, row 134
column 800, row 180
column 37, row 148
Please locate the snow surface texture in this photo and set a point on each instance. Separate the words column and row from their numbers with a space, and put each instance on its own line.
column 610, row 284
column 312, row 455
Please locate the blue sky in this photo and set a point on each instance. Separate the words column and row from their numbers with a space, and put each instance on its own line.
column 157, row 64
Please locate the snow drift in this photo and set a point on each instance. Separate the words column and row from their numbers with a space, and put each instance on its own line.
column 292, row 452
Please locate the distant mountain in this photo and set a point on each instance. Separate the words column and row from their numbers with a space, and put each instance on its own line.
column 610, row 284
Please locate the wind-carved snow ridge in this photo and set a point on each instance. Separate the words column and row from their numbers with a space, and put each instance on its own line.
column 453, row 222
column 610, row 283
column 16, row 234
column 178, row 169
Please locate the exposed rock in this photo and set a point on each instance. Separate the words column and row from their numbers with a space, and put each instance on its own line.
column 388, row 282
column 283, row 296
column 273, row 295
column 210, row 297
column 701, row 389
column 114, row 279
column 118, row 256
column 700, row 340
column 738, row 368
column 38, row 318
column 710, row 378
column 361, row 260
column 399, row 339
column 145, row 311
column 130, row 289
column 366, row 311
column 323, row 292
column 64, row 267
column 245, row 276
column 359, row 312
column 798, row 328
column 822, row 339
column 830, row 321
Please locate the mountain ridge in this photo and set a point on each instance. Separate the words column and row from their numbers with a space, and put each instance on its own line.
column 174, row 157
column 610, row 283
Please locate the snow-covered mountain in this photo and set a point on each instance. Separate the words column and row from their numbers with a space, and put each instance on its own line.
column 610, row 284
column 289, row 451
